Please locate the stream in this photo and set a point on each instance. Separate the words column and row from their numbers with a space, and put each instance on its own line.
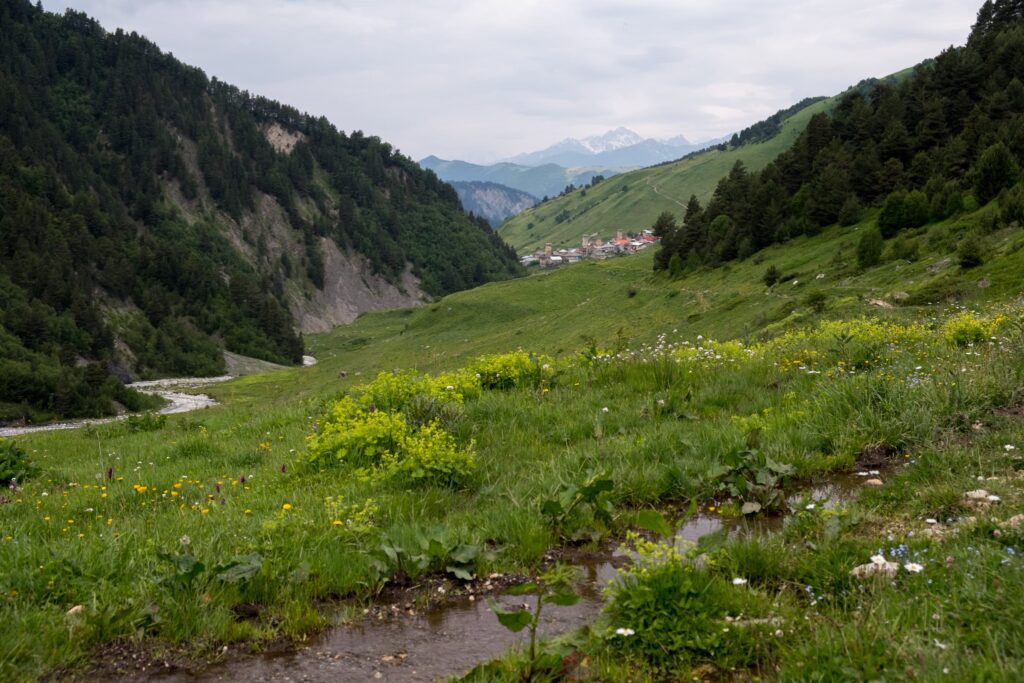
column 450, row 640
column 168, row 389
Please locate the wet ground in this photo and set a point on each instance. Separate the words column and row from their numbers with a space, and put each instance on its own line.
column 452, row 639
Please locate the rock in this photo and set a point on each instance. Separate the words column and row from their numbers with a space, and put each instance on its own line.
column 984, row 283
column 900, row 296
column 819, row 276
column 977, row 494
column 77, row 609
column 939, row 265
column 1013, row 523
column 874, row 482
column 885, row 570
column 880, row 303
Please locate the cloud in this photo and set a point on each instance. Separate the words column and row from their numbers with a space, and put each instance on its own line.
column 481, row 79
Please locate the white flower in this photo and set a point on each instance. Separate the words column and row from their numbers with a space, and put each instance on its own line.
column 449, row 388
column 913, row 567
column 739, row 581
column 1009, row 447
column 932, row 520
column 810, row 506
column 624, row 632
column 878, row 559
column 604, row 410
column 185, row 540
column 994, row 498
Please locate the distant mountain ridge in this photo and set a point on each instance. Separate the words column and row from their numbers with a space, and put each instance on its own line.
column 547, row 180
column 620, row 148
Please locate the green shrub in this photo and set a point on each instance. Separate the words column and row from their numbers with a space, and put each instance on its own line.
column 851, row 211
column 15, row 467
column 1011, row 208
column 670, row 613
column 970, row 253
column 965, row 329
column 430, row 456
column 869, row 249
column 509, row 370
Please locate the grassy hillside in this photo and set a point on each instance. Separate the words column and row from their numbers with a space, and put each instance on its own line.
column 265, row 519
column 631, row 201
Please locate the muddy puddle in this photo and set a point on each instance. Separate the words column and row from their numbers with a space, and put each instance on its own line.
column 450, row 640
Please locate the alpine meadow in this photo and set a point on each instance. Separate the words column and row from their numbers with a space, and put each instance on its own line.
column 771, row 431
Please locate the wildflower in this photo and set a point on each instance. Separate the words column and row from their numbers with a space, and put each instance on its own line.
column 185, row 540
column 286, row 506
column 913, row 567
column 739, row 581
column 283, row 469
column 994, row 499
column 205, row 511
column 604, row 410
column 248, row 511
column 337, row 522
column 1009, row 447
column 810, row 506
column 878, row 559
column 625, row 632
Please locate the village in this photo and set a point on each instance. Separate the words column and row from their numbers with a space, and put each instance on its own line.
column 591, row 247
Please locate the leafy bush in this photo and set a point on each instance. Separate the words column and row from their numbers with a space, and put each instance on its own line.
column 382, row 445
column 394, row 391
column 965, row 329
column 771, row 276
column 970, row 253
column 1011, row 208
column 670, row 613
column 509, row 370
column 429, row 456
column 869, row 248
column 15, row 467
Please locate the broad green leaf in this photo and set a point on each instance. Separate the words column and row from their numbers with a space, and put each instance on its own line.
column 595, row 488
column 522, row 589
column 459, row 572
column 552, row 508
column 563, row 599
column 514, row 621
column 240, row 568
column 653, row 521
column 465, row 553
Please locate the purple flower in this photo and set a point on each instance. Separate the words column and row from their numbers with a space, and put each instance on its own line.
column 110, row 473
column 217, row 486
column 373, row 408
column 283, row 468
column 241, row 479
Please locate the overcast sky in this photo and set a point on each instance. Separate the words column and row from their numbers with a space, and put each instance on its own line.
column 484, row 79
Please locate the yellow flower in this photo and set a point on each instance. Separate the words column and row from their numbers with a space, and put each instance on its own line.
column 337, row 522
column 174, row 494
column 205, row 511
column 248, row 511
column 287, row 506
column 110, row 520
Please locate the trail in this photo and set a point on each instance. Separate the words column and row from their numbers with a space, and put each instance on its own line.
column 658, row 192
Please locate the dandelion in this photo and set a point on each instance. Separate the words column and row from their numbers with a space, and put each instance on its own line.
column 739, row 581
column 913, row 567
column 337, row 522
column 286, row 506
column 625, row 632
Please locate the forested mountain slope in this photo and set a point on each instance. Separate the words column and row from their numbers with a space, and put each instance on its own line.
column 930, row 147
column 151, row 217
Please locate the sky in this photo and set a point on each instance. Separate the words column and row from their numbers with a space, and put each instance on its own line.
column 482, row 80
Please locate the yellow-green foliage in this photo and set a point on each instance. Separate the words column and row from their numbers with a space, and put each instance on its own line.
column 393, row 391
column 354, row 435
column 516, row 369
column 968, row 328
column 430, row 456
column 382, row 446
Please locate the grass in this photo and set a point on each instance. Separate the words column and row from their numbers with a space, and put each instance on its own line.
column 162, row 534
column 631, row 201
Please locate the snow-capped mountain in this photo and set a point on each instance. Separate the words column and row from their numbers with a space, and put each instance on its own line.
column 613, row 139
column 621, row 148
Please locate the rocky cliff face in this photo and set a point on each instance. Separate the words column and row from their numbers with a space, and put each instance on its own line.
column 493, row 201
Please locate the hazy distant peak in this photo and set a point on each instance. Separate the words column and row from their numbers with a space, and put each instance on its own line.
column 612, row 140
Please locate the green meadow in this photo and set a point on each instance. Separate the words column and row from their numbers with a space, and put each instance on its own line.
column 475, row 433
